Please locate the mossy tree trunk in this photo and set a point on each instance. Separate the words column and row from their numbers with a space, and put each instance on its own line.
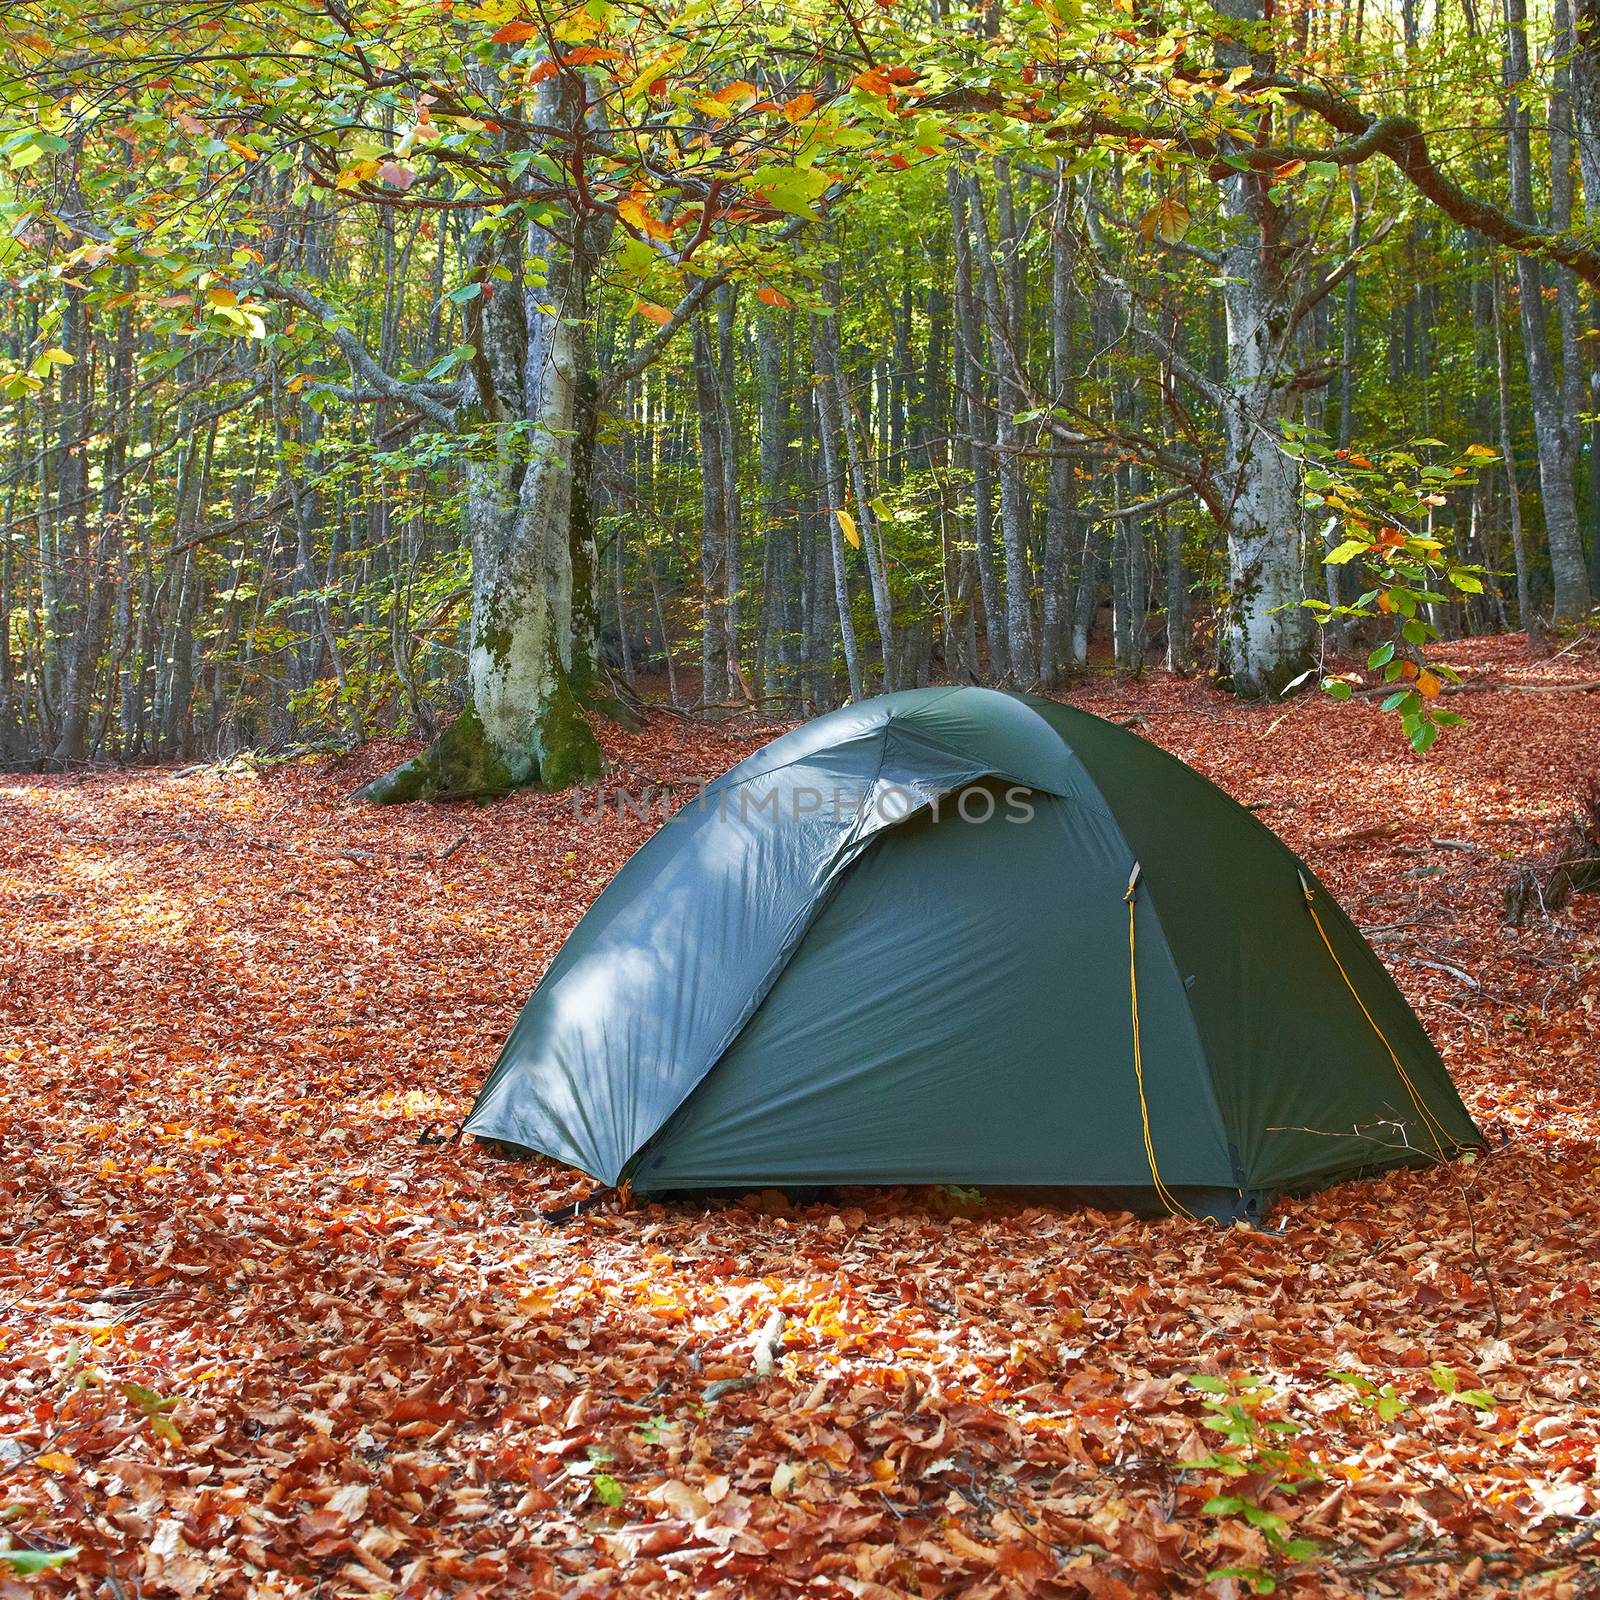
column 523, row 723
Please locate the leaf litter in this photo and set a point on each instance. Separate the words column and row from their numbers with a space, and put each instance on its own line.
column 256, row 1340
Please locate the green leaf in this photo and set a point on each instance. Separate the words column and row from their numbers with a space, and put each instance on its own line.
column 1207, row 1384
column 1381, row 657
column 1269, row 1522
column 25, row 1563
column 1342, row 553
column 1423, row 736
column 1223, row 1505
column 1337, row 688
column 1257, row 1579
column 1479, row 1399
column 607, row 1490
column 1466, row 582
column 1444, row 1378
column 792, row 189
column 1395, row 701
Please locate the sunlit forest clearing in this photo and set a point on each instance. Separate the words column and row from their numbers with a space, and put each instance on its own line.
column 235, row 1003
column 438, row 440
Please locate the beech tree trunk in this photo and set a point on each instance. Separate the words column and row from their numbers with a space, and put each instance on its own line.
column 830, row 498
column 1008, row 442
column 714, row 641
column 1555, row 432
column 522, row 723
column 1061, row 503
column 972, row 410
column 1269, row 633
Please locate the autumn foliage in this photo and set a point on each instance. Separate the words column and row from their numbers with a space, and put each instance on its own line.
column 255, row 1339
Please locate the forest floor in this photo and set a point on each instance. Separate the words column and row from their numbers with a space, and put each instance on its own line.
column 255, row 1339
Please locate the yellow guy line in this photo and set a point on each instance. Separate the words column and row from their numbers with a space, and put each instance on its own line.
column 1434, row 1129
column 1175, row 1207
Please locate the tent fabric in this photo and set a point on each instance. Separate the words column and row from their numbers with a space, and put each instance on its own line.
column 854, row 959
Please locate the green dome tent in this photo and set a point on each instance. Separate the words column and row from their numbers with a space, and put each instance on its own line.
column 959, row 936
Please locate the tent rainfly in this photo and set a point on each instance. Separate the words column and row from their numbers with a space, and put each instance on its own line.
column 966, row 937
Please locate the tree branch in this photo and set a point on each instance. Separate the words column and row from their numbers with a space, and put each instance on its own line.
column 370, row 376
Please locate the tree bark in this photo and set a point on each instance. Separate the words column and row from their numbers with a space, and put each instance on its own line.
column 522, row 723
column 1061, row 501
column 972, row 410
column 830, row 498
column 832, row 369
column 1008, row 442
column 1554, row 431
column 1508, row 454
column 1268, row 640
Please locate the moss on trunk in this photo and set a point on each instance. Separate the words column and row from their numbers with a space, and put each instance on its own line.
column 464, row 764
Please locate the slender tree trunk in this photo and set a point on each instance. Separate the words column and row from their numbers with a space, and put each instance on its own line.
column 1554, row 431
column 1508, row 454
column 972, row 386
column 714, row 647
column 781, row 575
column 832, row 368
column 1061, row 503
column 727, row 304
column 1008, row 440
column 830, row 498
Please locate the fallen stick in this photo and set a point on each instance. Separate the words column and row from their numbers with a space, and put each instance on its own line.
column 763, row 1358
column 1438, row 966
column 1382, row 830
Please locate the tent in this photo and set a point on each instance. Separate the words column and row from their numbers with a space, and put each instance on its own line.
column 966, row 937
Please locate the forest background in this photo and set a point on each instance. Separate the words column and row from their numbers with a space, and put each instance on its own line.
column 362, row 366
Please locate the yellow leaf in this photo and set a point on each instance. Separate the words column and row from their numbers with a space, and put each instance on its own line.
column 729, row 100
column 800, row 107
column 658, row 68
column 847, row 526
column 240, row 148
column 1167, row 220
column 657, row 314
column 633, row 211
column 1482, row 452
column 219, row 296
column 1427, row 684
column 57, row 1461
